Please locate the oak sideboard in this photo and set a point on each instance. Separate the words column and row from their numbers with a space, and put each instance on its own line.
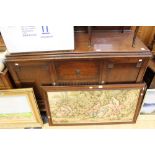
column 109, row 58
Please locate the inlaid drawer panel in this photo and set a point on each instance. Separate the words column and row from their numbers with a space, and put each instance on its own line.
column 77, row 71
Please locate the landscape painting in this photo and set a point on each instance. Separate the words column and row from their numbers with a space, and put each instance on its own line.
column 15, row 108
column 18, row 108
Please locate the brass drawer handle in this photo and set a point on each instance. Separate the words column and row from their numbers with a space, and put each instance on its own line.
column 77, row 72
column 110, row 66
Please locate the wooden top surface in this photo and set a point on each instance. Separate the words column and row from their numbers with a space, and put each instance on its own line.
column 103, row 44
column 108, row 41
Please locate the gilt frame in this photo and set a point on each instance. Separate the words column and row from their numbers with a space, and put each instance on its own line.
column 30, row 100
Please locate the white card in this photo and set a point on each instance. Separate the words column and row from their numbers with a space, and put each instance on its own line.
column 38, row 38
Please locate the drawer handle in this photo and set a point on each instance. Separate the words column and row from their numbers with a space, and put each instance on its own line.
column 110, row 66
column 78, row 72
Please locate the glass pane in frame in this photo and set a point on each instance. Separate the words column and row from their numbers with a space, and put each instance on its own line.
column 94, row 104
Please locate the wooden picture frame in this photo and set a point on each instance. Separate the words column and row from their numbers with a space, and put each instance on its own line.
column 56, row 107
column 18, row 109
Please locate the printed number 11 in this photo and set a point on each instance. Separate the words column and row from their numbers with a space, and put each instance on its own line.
column 45, row 29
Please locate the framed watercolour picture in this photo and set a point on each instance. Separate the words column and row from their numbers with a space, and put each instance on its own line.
column 18, row 108
column 84, row 105
column 148, row 106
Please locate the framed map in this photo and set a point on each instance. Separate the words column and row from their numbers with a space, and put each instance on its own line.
column 18, row 108
column 103, row 104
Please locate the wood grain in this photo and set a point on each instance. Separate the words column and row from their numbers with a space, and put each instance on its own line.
column 2, row 44
column 145, row 33
column 5, row 80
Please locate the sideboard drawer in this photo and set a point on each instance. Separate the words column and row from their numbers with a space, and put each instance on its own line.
column 123, row 70
column 77, row 71
column 32, row 71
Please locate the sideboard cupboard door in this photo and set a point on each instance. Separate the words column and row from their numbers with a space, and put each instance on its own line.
column 35, row 71
column 72, row 71
column 123, row 70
